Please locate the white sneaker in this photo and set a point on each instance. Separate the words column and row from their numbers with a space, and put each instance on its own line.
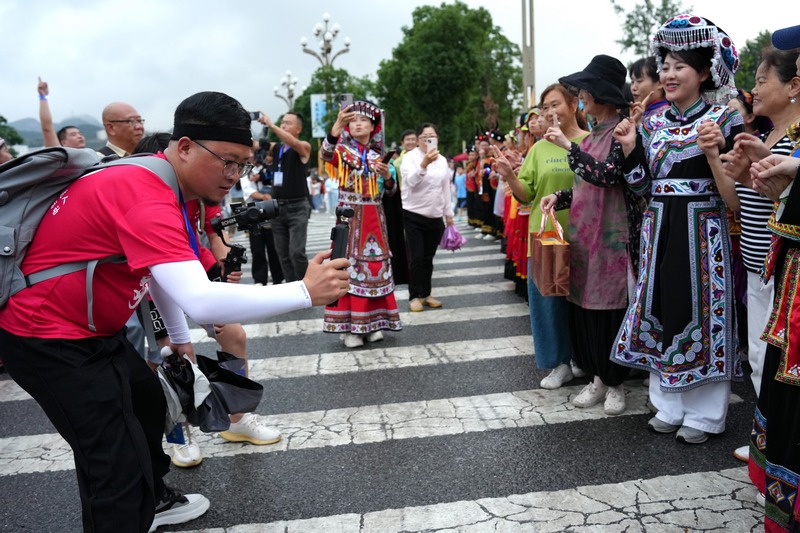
column 251, row 429
column 557, row 377
column 489, row 237
column 577, row 371
column 589, row 396
column 172, row 508
column 615, row 401
column 353, row 341
column 742, row 453
column 375, row 336
column 479, row 236
column 761, row 499
column 186, row 455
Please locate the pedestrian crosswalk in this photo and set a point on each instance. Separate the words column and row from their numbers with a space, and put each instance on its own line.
column 439, row 427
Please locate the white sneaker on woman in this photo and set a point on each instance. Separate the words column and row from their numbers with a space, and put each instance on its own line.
column 589, row 396
column 353, row 341
column 557, row 377
column 615, row 401
column 577, row 371
column 375, row 336
column 250, row 428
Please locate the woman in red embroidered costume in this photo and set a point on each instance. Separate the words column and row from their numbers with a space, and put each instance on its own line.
column 352, row 151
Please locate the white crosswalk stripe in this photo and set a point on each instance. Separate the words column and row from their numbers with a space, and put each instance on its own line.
column 435, row 361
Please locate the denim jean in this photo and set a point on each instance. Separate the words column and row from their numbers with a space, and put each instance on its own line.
column 549, row 326
column 290, row 229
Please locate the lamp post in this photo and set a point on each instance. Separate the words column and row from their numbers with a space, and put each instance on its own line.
column 288, row 82
column 325, row 38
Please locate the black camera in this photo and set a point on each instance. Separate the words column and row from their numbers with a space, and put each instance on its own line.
column 245, row 217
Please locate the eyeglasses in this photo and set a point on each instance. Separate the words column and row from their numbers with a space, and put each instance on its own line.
column 229, row 168
column 129, row 121
column 426, row 137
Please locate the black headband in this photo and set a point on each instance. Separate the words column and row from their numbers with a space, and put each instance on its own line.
column 213, row 133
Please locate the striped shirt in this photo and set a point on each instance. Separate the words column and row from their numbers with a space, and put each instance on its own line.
column 755, row 212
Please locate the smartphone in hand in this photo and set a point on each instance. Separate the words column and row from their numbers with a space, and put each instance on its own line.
column 345, row 100
column 388, row 156
column 432, row 143
column 254, row 115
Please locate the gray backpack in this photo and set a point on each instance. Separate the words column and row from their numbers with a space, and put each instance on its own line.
column 28, row 187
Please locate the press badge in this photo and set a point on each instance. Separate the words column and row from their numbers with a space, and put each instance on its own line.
column 277, row 178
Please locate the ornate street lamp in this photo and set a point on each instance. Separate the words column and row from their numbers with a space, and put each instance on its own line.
column 288, row 82
column 325, row 38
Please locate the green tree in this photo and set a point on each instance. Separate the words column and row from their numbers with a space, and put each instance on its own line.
column 454, row 68
column 749, row 58
column 642, row 21
column 10, row 135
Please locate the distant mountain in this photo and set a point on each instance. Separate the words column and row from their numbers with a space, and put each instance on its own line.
column 26, row 125
column 80, row 120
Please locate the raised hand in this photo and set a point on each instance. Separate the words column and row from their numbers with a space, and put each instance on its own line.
column 42, row 88
column 501, row 163
column 555, row 135
column 638, row 108
column 625, row 134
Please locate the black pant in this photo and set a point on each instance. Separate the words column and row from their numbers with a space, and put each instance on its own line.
column 422, row 238
column 108, row 405
column 265, row 257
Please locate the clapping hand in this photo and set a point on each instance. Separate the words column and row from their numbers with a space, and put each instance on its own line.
column 710, row 138
column 773, row 174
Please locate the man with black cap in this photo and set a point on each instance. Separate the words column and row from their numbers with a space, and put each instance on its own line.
column 68, row 351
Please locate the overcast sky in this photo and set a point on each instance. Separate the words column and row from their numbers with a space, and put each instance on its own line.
column 153, row 54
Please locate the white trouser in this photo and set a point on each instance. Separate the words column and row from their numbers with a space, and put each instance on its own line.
column 759, row 306
column 704, row 408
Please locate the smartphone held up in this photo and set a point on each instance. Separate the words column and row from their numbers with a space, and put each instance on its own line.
column 345, row 100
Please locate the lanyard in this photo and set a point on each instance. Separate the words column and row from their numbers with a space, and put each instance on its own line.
column 280, row 156
column 189, row 229
column 363, row 155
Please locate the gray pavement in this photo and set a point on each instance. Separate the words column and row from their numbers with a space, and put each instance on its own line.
column 440, row 427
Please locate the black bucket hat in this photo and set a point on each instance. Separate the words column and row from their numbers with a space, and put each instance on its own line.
column 603, row 78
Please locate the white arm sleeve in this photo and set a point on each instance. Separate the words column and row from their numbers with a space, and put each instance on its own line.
column 171, row 314
column 207, row 302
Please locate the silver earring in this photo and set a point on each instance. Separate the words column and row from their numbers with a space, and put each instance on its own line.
column 793, row 100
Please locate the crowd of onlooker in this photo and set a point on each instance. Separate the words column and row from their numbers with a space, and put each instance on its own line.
column 673, row 188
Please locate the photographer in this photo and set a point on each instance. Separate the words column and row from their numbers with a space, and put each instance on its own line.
column 263, row 254
column 86, row 377
column 426, row 200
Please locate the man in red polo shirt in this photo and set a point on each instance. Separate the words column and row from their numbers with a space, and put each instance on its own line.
column 70, row 354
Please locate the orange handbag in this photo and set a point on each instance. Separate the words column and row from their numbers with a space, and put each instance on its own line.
column 550, row 259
